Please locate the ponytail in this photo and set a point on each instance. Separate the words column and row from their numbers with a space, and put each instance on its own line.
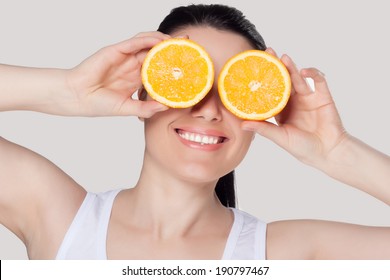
column 225, row 190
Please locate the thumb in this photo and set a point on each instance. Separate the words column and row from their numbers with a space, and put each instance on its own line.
column 266, row 129
column 142, row 109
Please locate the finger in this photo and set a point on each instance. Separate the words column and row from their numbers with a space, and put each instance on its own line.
column 141, row 55
column 142, row 109
column 318, row 77
column 137, row 44
column 185, row 36
column 271, row 51
column 156, row 34
column 266, row 129
column 298, row 81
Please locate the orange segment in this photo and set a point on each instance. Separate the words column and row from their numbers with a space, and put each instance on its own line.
column 177, row 73
column 254, row 85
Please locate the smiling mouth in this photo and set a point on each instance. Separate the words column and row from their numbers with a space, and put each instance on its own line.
column 201, row 139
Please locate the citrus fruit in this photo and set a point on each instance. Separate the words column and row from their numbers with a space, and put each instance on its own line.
column 177, row 73
column 254, row 85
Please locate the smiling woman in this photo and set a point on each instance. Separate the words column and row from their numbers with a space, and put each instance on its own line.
column 183, row 204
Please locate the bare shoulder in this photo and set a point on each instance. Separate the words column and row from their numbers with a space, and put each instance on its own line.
column 316, row 239
column 289, row 240
column 38, row 200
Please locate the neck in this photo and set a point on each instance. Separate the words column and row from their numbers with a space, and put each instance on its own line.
column 168, row 206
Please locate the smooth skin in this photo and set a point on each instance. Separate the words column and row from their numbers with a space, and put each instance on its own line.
column 171, row 213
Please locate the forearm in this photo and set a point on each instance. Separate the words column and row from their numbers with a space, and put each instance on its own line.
column 34, row 89
column 359, row 165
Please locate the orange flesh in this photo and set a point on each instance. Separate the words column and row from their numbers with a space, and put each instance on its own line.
column 254, row 85
column 181, row 77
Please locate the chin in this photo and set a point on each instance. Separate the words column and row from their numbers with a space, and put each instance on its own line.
column 200, row 174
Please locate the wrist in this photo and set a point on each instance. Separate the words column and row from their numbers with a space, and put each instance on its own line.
column 62, row 99
column 53, row 93
column 340, row 155
column 326, row 157
column 33, row 89
column 357, row 164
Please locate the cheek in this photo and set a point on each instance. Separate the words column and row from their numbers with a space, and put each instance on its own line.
column 245, row 142
column 156, row 139
column 155, row 126
column 240, row 144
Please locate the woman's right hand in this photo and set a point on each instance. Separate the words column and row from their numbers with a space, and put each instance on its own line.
column 104, row 84
column 36, row 194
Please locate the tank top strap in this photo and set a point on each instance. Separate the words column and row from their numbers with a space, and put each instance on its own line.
column 247, row 238
column 87, row 234
column 107, row 200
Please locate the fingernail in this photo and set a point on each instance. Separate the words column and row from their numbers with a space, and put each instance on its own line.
column 286, row 56
column 183, row 37
column 161, row 107
column 247, row 128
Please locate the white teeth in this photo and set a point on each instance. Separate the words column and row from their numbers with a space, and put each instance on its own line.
column 198, row 138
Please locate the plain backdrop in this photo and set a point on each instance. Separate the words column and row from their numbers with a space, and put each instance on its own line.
column 347, row 40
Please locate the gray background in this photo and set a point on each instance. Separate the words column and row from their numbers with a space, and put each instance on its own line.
column 347, row 40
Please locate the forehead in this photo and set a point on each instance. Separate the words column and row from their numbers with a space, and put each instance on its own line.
column 220, row 44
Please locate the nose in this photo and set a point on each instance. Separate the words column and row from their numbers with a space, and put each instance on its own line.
column 209, row 108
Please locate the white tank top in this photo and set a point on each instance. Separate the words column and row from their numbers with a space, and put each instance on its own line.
column 87, row 235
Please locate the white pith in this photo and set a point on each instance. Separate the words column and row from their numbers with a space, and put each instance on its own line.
column 177, row 73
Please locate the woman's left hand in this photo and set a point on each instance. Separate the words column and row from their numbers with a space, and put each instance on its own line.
column 309, row 127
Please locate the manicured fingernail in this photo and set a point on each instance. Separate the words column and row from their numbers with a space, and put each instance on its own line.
column 183, row 37
column 161, row 107
column 247, row 128
column 286, row 56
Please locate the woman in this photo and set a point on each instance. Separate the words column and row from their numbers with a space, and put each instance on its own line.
column 173, row 212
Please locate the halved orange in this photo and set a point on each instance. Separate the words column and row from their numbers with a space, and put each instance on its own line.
column 177, row 73
column 254, row 85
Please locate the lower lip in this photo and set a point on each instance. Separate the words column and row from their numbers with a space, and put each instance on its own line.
column 204, row 147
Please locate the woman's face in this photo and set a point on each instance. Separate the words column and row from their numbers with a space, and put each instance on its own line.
column 203, row 142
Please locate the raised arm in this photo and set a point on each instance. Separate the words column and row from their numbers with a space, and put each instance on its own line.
column 102, row 85
column 37, row 199
column 311, row 130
